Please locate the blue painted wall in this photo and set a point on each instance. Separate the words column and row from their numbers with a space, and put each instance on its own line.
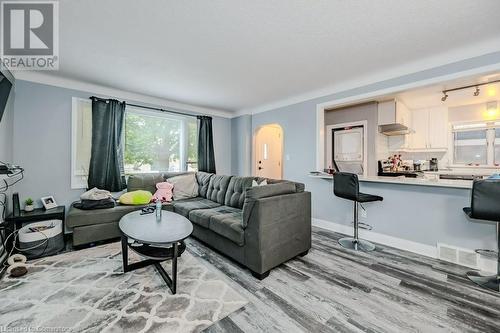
column 241, row 145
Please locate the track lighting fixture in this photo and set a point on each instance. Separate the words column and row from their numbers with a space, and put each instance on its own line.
column 476, row 93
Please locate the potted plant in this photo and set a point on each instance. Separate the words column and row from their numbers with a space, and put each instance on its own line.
column 28, row 205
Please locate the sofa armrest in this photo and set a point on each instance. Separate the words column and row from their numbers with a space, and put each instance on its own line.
column 252, row 194
column 279, row 228
column 264, row 191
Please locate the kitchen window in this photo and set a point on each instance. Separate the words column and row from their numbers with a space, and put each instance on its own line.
column 476, row 144
column 497, row 146
column 153, row 142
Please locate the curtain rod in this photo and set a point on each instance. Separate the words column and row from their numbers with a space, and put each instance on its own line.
column 153, row 108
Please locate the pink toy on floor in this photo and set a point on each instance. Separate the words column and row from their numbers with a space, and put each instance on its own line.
column 164, row 192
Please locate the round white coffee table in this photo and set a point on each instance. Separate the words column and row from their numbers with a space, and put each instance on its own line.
column 157, row 240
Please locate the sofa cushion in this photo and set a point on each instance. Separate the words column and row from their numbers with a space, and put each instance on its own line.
column 171, row 174
column 139, row 197
column 203, row 179
column 202, row 216
column 217, row 188
column 185, row 186
column 145, row 181
column 235, row 193
column 78, row 217
column 229, row 226
column 183, row 207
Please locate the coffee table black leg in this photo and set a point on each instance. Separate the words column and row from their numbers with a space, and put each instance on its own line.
column 125, row 254
column 174, row 268
column 171, row 282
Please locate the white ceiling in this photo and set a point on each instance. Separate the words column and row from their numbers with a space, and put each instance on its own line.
column 238, row 55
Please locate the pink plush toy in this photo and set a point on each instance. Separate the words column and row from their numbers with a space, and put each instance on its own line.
column 164, row 192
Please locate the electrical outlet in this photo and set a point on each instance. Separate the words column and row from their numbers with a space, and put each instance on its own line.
column 363, row 213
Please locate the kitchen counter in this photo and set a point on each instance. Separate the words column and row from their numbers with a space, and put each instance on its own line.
column 463, row 184
column 417, row 214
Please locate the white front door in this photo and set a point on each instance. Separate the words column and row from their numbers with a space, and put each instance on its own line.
column 268, row 152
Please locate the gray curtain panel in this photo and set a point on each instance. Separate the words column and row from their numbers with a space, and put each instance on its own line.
column 206, row 156
column 5, row 87
column 106, row 159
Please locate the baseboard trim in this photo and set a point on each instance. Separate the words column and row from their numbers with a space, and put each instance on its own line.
column 486, row 265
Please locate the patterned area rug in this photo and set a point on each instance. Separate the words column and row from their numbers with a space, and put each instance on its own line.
column 86, row 291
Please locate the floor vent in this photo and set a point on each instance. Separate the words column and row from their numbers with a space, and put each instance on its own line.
column 458, row 255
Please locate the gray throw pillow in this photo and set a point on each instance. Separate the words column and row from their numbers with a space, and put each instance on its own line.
column 185, row 186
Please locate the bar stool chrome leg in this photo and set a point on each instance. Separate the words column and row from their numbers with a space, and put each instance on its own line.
column 493, row 281
column 356, row 243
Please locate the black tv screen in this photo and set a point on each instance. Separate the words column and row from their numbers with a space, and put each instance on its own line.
column 5, row 86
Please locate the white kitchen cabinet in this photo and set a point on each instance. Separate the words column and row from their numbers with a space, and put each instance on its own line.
column 390, row 112
column 393, row 111
column 403, row 115
column 438, row 128
column 420, row 129
column 429, row 129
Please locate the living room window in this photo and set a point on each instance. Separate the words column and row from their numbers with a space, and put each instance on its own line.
column 153, row 141
column 476, row 144
column 159, row 141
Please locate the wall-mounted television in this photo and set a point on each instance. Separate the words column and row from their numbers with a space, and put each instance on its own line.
column 5, row 86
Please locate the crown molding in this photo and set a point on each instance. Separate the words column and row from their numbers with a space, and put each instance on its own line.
column 56, row 81
column 455, row 56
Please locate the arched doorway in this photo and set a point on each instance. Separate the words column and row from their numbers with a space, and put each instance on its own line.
column 268, row 148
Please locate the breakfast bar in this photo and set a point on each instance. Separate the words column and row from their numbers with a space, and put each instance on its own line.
column 436, row 182
column 416, row 214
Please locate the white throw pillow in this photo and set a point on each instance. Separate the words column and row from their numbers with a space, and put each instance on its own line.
column 185, row 186
column 254, row 183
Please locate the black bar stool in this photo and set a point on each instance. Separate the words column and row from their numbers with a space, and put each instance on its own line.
column 346, row 186
column 485, row 205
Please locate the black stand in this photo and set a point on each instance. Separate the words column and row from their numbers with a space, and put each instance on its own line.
column 493, row 281
column 156, row 255
column 14, row 223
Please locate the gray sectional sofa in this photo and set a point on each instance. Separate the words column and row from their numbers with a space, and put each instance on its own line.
column 260, row 227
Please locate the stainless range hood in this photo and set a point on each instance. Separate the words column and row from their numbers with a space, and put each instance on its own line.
column 391, row 115
column 393, row 129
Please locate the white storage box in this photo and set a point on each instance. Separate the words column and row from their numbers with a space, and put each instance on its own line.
column 35, row 244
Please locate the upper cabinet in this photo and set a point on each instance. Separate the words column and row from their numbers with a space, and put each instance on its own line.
column 392, row 112
column 403, row 115
column 439, row 128
column 419, row 138
column 429, row 129
column 394, row 120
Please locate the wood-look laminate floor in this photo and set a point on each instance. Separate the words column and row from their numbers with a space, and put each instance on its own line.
column 337, row 290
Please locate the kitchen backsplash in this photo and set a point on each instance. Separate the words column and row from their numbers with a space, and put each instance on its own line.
column 442, row 157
